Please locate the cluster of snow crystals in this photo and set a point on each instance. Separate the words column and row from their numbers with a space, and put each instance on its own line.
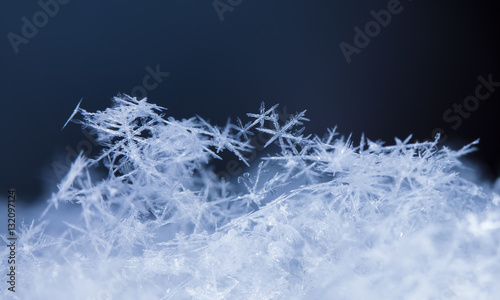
column 320, row 219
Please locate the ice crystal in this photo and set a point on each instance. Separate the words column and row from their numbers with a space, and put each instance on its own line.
column 321, row 218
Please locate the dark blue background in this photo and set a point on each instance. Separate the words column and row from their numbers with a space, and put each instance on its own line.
column 281, row 51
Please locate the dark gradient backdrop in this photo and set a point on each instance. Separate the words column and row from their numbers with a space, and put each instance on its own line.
column 427, row 59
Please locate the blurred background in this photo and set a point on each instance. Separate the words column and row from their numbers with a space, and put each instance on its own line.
column 410, row 67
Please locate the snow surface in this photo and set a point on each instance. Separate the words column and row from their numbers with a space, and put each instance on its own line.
column 321, row 218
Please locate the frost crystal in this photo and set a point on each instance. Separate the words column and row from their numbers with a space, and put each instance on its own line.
column 319, row 219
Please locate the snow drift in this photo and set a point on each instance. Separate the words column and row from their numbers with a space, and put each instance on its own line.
column 321, row 218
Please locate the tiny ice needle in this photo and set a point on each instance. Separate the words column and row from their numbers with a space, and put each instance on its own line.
column 73, row 114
